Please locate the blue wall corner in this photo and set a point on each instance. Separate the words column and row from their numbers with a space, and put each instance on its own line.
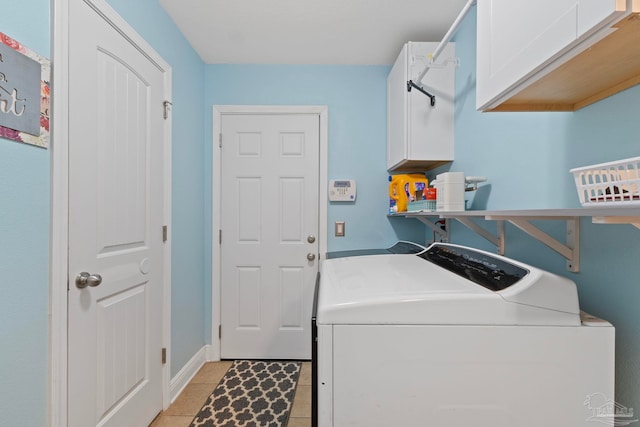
column 189, row 269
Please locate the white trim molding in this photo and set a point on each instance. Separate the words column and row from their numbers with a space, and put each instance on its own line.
column 59, row 226
column 218, row 110
column 188, row 371
column 166, row 256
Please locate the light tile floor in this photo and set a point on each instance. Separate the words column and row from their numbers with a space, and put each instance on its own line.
column 186, row 406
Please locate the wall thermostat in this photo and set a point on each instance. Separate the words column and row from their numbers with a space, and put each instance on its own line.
column 342, row 190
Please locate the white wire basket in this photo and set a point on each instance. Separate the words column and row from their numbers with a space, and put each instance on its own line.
column 609, row 184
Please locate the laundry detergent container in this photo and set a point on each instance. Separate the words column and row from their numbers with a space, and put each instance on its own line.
column 450, row 191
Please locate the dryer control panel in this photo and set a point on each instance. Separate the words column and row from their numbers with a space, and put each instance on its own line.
column 492, row 273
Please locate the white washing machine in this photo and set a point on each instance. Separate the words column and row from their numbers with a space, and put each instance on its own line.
column 455, row 337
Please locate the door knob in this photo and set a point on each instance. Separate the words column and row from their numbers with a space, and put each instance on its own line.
column 311, row 256
column 311, row 238
column 85, row 279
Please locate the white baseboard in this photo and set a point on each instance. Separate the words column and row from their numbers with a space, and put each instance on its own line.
column 188, row 371
column 213, row 353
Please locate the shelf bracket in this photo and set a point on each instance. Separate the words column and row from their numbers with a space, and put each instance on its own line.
column 442, row 233
column 570, row 250
column 497, row 240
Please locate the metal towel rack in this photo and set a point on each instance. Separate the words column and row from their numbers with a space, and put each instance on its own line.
column 411, row 84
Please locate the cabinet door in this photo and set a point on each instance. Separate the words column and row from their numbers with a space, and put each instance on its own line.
column 430, row 129
column 517, row 39
column 420, row 136
column 595, row 14
column 397, row 111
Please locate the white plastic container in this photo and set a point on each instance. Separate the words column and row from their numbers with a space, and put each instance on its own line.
column 609, row 184
column 450, row 192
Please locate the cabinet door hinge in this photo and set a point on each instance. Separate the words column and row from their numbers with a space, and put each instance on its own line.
column 220, row 140
column 164, row 356
column 166, row 108
column 219, row 331
column 219, row 237
column 165, row 232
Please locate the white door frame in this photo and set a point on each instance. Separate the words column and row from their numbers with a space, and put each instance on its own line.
column 59, row 227
column 218, row 111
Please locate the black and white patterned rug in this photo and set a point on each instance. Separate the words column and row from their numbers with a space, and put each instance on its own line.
column 253, row 393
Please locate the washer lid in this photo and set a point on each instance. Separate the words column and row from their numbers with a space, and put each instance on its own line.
column 406, row 289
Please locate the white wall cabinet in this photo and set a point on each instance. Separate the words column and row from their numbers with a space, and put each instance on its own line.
column 419, row 136
column 520, row 41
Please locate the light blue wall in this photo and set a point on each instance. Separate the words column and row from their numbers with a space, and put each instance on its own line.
column 356, row 100
column 24, row 248
column 188, row 266
column 527, row 157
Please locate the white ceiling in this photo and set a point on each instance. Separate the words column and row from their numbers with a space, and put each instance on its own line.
column 359, row 32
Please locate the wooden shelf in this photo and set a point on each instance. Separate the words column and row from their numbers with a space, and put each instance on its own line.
column 520, row 219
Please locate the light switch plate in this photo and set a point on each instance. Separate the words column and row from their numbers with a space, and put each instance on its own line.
column 339, row 229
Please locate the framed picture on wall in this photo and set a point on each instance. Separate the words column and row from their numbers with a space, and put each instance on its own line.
column 24, row 93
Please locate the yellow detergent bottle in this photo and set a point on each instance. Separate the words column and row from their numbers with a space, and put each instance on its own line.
column 397, row 196
column 402, row 190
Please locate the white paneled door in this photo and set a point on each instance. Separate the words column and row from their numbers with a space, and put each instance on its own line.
column 269, row 222
column 116, row 191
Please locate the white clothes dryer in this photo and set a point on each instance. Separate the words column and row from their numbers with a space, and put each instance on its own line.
column 455, row 337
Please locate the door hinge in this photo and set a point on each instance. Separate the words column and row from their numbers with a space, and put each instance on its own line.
column 219, row 332
column 220, row 140
column 167, row 107
column 165, row 232
column 164, row 356
column 219, row 237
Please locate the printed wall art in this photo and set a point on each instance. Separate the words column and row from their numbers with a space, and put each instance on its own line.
column 24, row 93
